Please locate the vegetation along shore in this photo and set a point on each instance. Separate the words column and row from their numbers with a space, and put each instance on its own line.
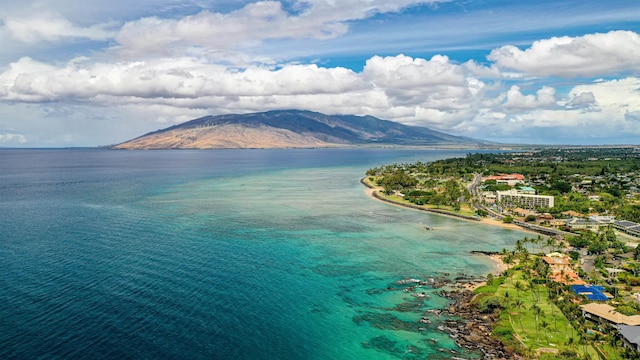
column 572, row 289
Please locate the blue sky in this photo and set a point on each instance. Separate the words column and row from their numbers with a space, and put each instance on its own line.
column 539, row 72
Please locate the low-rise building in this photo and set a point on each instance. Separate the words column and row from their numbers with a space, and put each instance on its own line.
column 508, row 179
column 567, row 277
column 584, row 224
column 603, row 313
column 630, row 336
column 627, row 227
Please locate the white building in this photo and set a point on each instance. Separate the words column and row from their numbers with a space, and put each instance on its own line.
column 527, row 201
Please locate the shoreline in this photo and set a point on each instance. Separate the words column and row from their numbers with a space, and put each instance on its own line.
column 500, row 265
column 475, row 337
column 372, row 192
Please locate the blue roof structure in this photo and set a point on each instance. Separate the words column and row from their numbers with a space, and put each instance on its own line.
column 592, row 292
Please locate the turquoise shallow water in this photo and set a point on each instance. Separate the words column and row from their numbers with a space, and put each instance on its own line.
column 234, row 254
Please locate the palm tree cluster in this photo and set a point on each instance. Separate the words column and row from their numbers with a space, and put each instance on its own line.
column 545, row 314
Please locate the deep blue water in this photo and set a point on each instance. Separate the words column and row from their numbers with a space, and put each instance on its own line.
column 227, row 254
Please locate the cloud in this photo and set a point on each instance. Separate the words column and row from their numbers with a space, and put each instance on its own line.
column 435, row 93
column 431, row 92
column 516, row 100
column 174, row 79
column 250, row 25
column 619, row 95
column 587, row 56
column 434, row 83
column 584, row 100
column 12, row 139
column 52, row 27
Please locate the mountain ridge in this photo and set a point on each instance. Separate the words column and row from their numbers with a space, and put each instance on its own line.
column 292, row 129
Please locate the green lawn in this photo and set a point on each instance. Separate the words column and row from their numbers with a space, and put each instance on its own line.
column 553, row 330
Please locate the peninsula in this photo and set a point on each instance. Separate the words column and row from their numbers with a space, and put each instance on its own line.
column 574, row 293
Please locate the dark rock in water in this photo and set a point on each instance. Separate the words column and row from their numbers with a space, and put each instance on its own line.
column 374, row 291
column 409, row 306
column 473, row 330
column 386, row 322
column 385, row 345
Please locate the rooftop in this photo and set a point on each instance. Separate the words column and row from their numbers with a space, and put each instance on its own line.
column 609, row 313
column 592, row 292
column 630, row 333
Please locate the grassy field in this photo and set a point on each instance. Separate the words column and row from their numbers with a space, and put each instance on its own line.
column 529, row 320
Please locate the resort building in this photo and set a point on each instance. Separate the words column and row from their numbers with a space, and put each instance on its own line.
column 527, row 201
column 603, row 313
column 507, row 179
column 489, row 197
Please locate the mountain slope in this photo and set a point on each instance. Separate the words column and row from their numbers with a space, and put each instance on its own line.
column 290, row 129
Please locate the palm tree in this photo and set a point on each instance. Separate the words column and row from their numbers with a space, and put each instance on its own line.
column 537, row 311
column 518, row 285
column 520, row 245
column 583, row 340
column 519, row 305
column 534, row 289
column 551, row 243
column 570, row 343
column 507, row 303
column 544, row 325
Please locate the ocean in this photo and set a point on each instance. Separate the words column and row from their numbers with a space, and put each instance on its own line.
column 222, row 254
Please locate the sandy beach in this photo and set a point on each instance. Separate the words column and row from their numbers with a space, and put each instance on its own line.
column 488, row 221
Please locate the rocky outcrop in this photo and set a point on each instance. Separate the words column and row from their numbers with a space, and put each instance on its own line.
column 473, row 330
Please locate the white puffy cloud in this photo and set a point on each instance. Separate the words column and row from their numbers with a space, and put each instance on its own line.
column 12, row 139
column 583, row 99
column 516, row 100
column 183, row 78
column 595, row 113
column 436, row 83
column 589, row 55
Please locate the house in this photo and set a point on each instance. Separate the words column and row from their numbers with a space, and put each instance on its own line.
column 567, row 277
column 557, row 262
column 523, row 212
column 630, row 336
column 571, row 213
column 603, row 313
column 613, row 271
